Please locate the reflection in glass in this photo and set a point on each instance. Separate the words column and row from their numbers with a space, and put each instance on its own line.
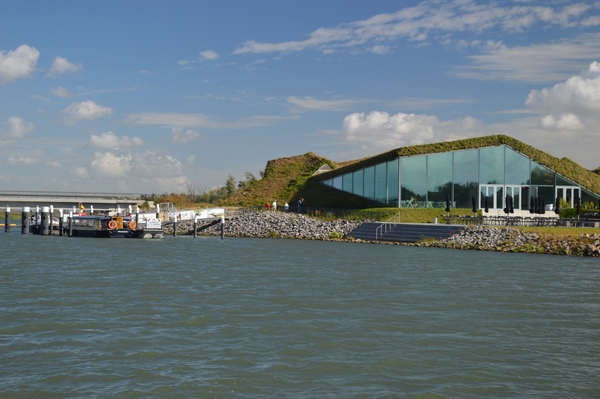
column 369, row 185
column 337, row 182
column 381, row 183
column 561, row 181
column 414, row 177
column 347, row 182
column 465, row 177
column 358, row 182
column 540, row 175
column 439, row 179
column 517, row 168
column 491, row 165
column 392, row 182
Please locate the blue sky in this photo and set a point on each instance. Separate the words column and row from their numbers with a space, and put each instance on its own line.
column 154, row 97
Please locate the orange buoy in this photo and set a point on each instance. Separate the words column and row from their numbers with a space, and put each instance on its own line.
column 112, row 225
column 132, row 225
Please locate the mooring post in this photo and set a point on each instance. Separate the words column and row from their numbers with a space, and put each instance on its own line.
column 175, row 226
column 195, row 226
column 60, row 222
column 222, row 227
column 137, row 215
column 44, row 221
column 91, row 209
column 25, row 220
column 37, row 220
column 51, row 220
column 70, row 224
column 7, row 220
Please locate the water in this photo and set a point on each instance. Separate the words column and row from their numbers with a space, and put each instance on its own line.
column 256, row 318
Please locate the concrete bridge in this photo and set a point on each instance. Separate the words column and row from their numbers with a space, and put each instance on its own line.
column 67, row 200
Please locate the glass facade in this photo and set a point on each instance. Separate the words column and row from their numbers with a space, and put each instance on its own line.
column 487, row 174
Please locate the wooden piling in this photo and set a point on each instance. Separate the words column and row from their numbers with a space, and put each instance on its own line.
column 25, row 220
column 7, row 220
column 44, row 222
column 222, row 227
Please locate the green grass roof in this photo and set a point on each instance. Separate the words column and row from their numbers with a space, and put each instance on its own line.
column 564, row 166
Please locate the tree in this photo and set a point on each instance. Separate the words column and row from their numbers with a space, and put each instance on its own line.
column 230, row 186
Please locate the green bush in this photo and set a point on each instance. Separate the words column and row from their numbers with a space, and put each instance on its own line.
column 568, row 213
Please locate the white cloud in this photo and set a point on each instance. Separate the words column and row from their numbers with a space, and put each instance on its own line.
column 20, row 161
column 208, row 55
column 61, row 92
column 54, row 164
column 17, row 64
column 85, row 110
column 578, row 94
column 182, row 136
column 107, row 164
column 379, row 131
column 419, row 22
column 62, row 65
column 325, row 105
column 422, row 103
column 562, row 122
column 569, row 105
column 380, row 49
column 157, row 165
column 200, row 120
column 80, row 172
column 17, row 128
column 533, row 63
column 111, row 141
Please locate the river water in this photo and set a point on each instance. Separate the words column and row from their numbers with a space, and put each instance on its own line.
column 266, row 318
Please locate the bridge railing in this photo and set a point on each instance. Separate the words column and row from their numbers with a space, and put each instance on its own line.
column 67, row 194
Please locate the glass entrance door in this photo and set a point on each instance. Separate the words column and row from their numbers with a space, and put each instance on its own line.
column 515, row 192
column 494, row 194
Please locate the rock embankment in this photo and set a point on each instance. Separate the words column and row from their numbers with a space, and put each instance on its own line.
column 515, row 240
column 270, row 225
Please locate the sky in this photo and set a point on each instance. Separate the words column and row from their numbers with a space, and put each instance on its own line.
column 167, row 96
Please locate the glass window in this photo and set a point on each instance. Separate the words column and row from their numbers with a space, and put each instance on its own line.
column 414, row 176
column 540, row 175
column 392, row 182
column 561, row 181
column 517, row 168
column 369, row 185
column 439, row 179
column 337, row 182
column 381, row 183
column 465, row 177
column 347, row 182
column 358, row 182
column 491, row 165
column 328, row 182
column 589, row 200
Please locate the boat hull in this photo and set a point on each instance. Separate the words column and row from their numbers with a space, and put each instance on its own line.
column 93, row 233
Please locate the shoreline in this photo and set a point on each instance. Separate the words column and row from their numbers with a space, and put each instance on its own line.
column 289, row 225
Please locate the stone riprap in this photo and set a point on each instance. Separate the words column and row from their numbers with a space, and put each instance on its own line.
column 514, row 240
column 269, row 225
column 482, row 238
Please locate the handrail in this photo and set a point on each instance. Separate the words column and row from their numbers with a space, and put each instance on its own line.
column 384, row 226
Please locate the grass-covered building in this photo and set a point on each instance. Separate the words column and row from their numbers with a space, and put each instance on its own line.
column 424, row 176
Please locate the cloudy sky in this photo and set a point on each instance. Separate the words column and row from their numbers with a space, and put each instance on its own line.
column 153, row 96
